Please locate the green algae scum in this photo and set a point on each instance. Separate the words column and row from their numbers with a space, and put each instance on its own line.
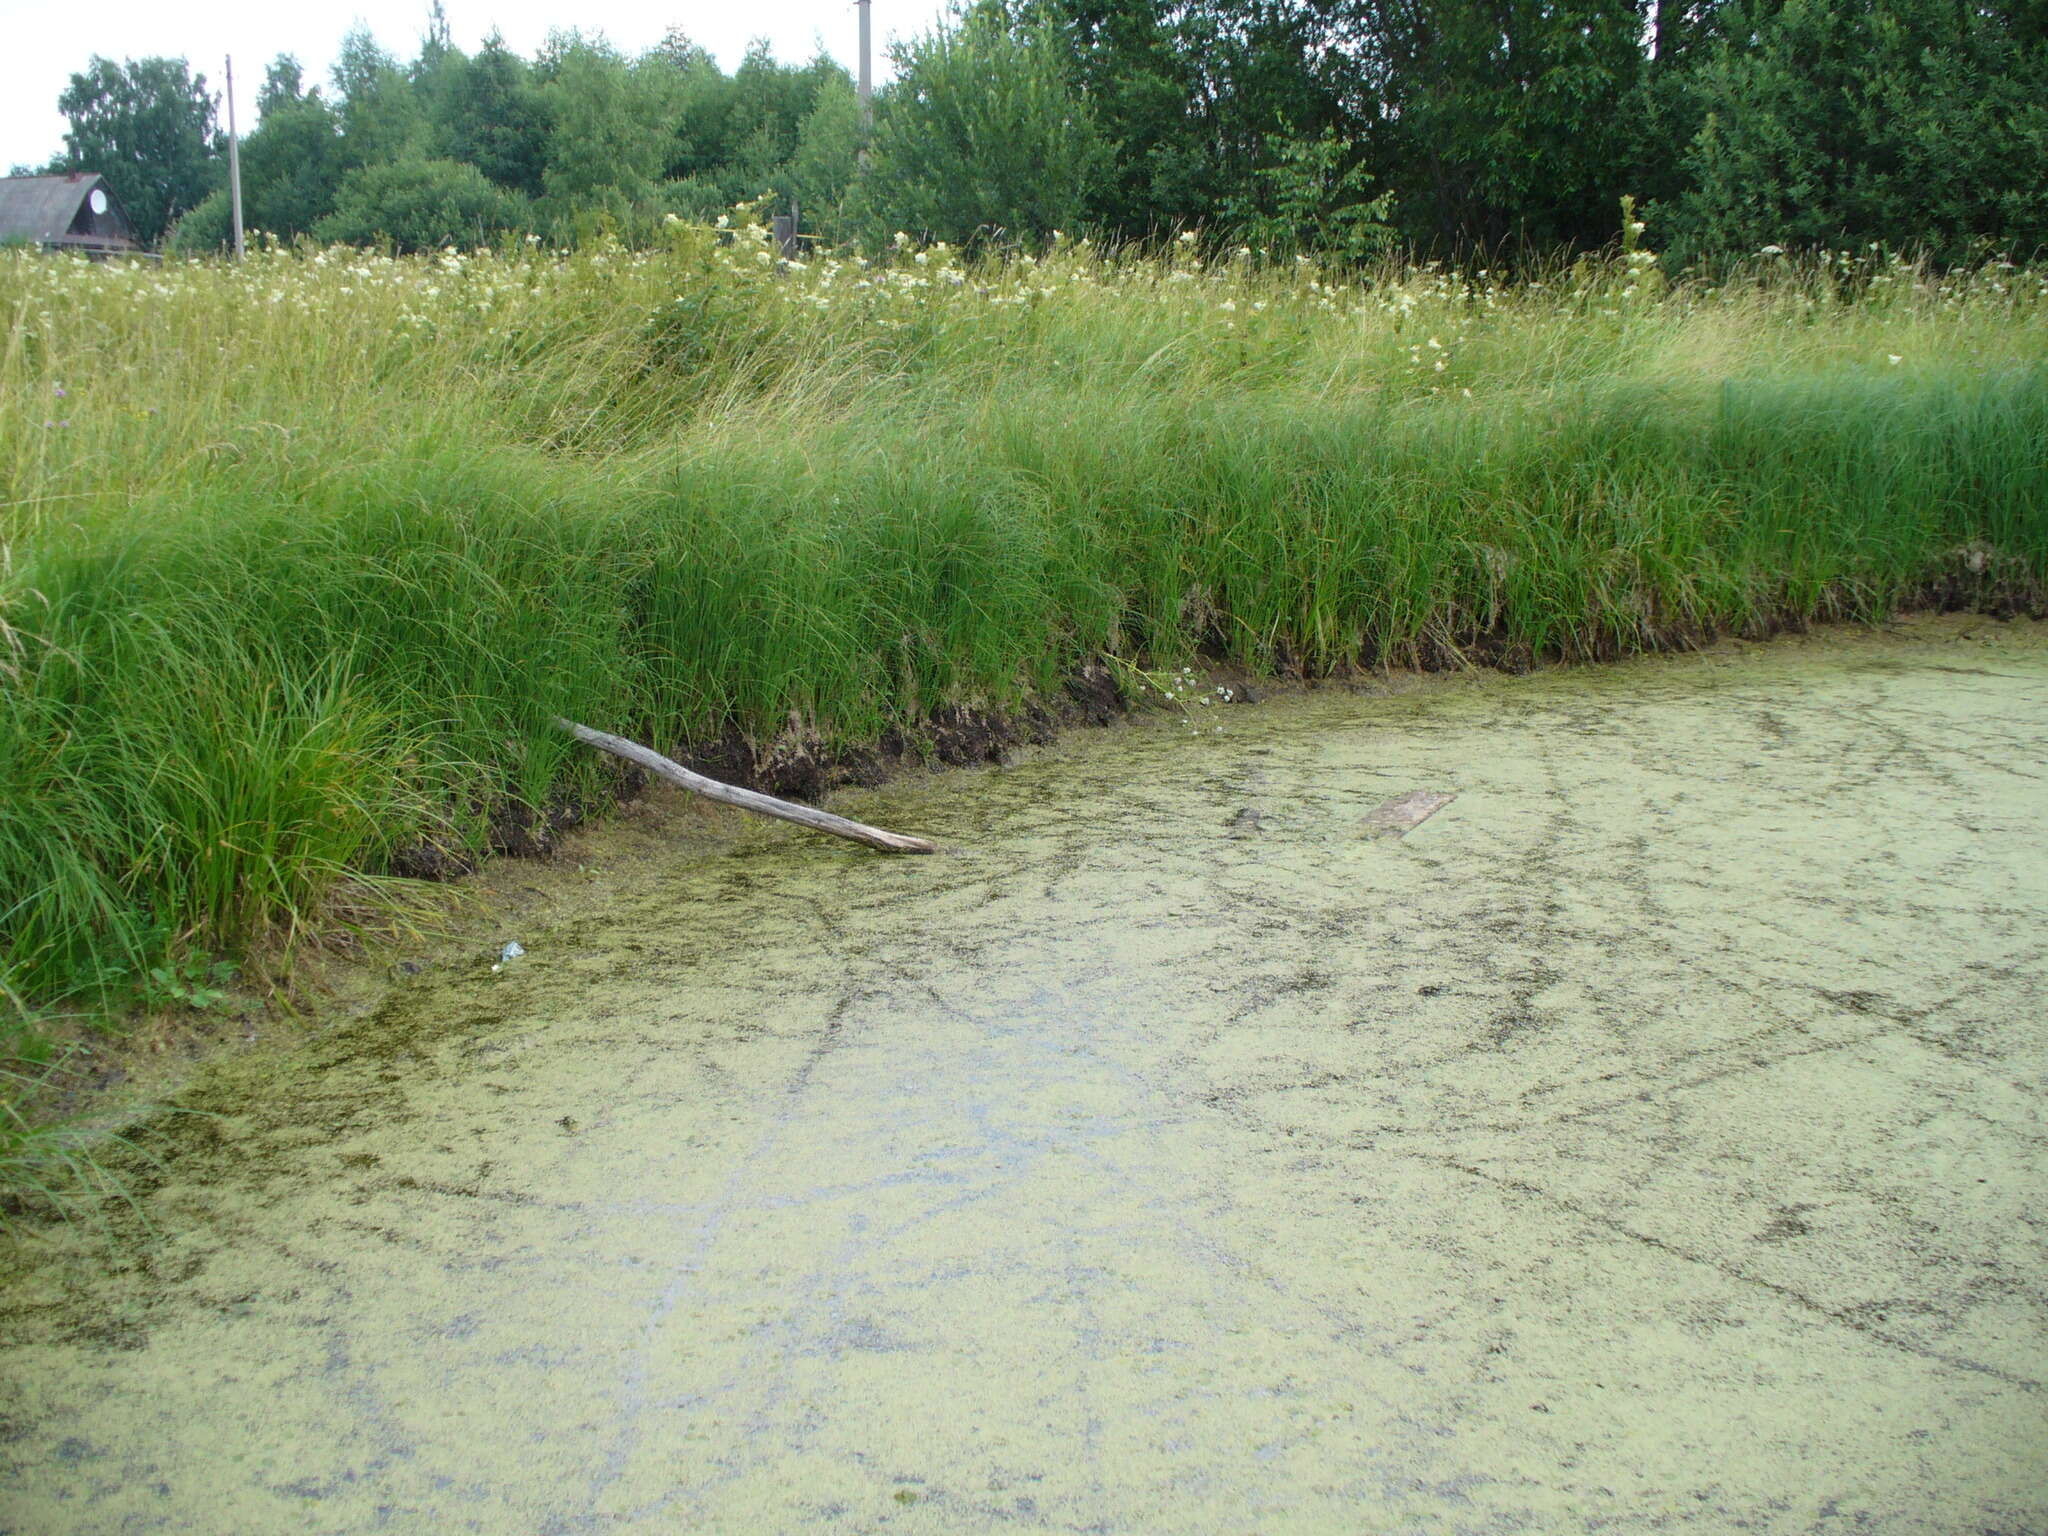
column 1650, row 1140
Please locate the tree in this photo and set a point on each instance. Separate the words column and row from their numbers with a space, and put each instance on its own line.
column 148, row 127
column 382, row 119
column 1151, row 100
column 703, row 104
column 826, row 163
column 1903, row 122
column 1498, row 121
column 292, row 166
column 982, row 134
column 284, row 82
column 1683, row 30
column 765, row 112
column 437, row 77
column 495, row 119
column 611, row 123
column 737, row 137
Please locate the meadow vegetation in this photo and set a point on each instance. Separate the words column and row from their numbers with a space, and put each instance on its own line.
column 301, row 556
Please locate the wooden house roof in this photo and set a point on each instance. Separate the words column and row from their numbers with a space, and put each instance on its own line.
column 58, row 211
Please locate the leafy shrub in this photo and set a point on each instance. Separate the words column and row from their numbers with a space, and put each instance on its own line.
column 208, row 227
column 1316, row 196
column 420, row 205
column 982, row 134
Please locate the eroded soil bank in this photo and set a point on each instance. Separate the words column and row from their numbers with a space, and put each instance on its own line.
column 1650, row 1140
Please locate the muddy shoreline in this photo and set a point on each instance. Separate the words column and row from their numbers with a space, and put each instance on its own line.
column 801, row 765
column 120, row 1079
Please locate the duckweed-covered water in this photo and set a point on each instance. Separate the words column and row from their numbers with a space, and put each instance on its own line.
column 1650, row 1140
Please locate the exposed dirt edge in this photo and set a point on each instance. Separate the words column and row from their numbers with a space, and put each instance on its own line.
column 801, row 765
column 796, row 765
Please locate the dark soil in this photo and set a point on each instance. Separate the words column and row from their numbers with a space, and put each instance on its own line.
column 521, row 831
column 797, row 765
column 801, row 765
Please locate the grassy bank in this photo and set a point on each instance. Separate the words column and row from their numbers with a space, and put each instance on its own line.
column 301, row 557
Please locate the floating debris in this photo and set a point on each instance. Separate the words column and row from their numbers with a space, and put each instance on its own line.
column 1399, row 817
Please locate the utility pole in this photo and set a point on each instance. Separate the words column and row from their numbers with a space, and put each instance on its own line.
column 234, row 162
column 867, row 74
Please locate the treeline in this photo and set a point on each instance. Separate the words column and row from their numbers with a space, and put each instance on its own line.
column 1469, row 129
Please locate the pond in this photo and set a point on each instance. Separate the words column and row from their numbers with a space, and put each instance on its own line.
column 1650, row 1138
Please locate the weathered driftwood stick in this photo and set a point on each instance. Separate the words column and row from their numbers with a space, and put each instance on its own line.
column 745, row 799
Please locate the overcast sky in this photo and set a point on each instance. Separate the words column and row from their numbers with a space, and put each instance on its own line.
column 47, row 41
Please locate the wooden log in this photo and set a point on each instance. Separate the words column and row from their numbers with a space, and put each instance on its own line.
column 745, row 799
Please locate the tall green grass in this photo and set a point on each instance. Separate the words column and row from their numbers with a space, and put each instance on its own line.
column 302, row 557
